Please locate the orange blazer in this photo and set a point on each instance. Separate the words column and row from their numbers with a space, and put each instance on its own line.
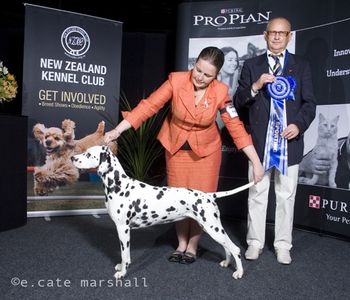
column 185, row 121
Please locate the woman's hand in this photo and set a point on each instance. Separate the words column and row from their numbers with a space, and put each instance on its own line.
column 112, row 135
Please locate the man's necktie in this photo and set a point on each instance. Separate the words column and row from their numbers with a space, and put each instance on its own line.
column 277, row 68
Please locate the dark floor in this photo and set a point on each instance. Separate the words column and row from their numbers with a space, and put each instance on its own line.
column 74, row 258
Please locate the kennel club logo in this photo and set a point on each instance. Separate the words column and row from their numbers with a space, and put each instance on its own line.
column 75, row 41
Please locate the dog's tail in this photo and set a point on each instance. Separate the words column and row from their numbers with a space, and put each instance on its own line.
column 234, row 191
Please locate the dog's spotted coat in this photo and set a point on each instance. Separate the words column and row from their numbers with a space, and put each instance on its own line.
column 134, row 204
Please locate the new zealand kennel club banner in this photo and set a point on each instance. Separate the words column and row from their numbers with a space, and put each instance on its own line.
column 237, row 27
column 71, row 76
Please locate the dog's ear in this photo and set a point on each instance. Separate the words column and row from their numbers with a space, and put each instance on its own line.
column 68, row 127
column 105, row 155
column 39, row 132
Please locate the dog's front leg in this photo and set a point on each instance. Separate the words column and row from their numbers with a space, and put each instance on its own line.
column 124, row 240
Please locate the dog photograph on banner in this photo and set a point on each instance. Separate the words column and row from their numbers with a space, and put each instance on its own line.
column 71, row 98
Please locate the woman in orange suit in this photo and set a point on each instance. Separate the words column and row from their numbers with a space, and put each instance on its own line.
column 191, row 137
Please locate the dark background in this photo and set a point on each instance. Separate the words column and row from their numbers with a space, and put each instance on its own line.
column 148, row 47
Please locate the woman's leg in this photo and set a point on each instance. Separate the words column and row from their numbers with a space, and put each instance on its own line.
column 182, row 231
column 195, row 233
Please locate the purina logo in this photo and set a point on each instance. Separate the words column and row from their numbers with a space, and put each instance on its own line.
column 330, row 205
column 75, row 41
column 314, row 201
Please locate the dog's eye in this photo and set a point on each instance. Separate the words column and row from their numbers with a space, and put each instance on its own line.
column 57, row 138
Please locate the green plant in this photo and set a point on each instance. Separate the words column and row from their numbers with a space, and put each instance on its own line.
column 139, row 150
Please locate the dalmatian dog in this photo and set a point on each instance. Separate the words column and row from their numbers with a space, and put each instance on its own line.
column 134, row 204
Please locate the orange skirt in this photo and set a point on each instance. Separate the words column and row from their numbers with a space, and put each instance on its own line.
column 186, row 169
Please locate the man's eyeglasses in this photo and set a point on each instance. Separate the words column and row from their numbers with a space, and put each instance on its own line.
column 280, row 33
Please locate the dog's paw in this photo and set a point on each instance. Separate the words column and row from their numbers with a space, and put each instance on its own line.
column 38, row 176
column 237, row 274
column 118, row 267
column 225, row 263
column 119, row 275
column 41, row 191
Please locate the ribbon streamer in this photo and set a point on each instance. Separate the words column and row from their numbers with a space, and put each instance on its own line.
column 276, row 150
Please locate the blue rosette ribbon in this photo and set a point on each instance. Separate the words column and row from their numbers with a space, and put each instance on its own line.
column 282, row 88
column 276, row 151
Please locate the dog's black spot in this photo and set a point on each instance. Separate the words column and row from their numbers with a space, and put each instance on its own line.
column 127, row 222
column 114, row 189
column 126, row 230
column 160, row 195
column 144, row 206
column 145, row 218
column 164, row 189
column 149, row 224
column 130, row 206
column 156, row 188
column 133, row 214
column 122, row 245
column 88, row 155
column 165, row 217
column 196, row 194
column 121, row 205
column 128, row 244
column 214, row 196
column 216, row 229
column 116, row 175
column 132, row 187
column 136, row 205
column 222, row 231
column 142, row 185
column 127, row 186
column 118, row 211
column 109, row 182
column 128, row 214
column 194, row 207
column 171, row 208
column 121, row 194
column 127, row 194
column 199, row 201
column 182, row 202
column 155, row 216
column 202, row 215
column 124, row 176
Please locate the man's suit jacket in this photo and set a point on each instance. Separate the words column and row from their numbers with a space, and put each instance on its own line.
column 255, row 111
column 185, row 122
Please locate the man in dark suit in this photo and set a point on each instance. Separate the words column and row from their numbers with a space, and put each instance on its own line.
column 277, row 127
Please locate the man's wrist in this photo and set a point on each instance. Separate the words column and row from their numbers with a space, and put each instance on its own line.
column 254, row 90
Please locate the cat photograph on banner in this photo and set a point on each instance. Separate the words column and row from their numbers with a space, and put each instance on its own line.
column 326, row 160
